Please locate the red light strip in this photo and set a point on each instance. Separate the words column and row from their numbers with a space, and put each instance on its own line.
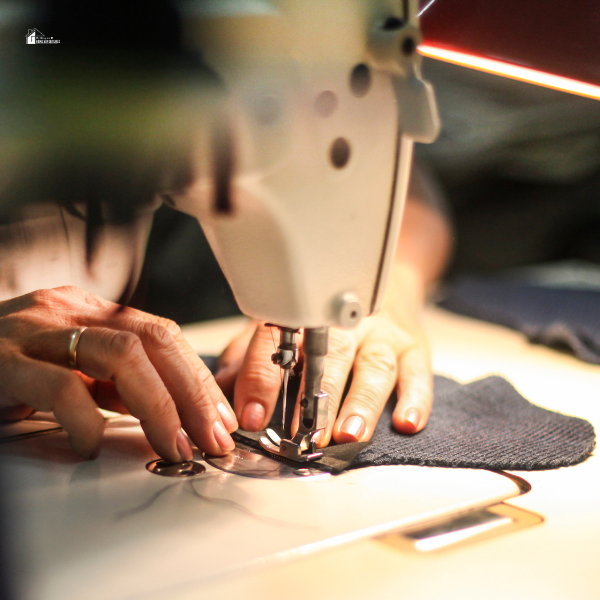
column 498, row 67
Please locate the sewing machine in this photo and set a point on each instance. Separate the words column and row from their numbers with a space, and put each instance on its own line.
column 299, row 186
column 111, row 528
column 286, row 127
column 325, row 100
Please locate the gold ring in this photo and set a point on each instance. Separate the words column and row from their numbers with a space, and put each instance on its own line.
column 73, row 342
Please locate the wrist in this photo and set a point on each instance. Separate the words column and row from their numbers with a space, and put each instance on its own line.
column 406, row 283
column 405, row 297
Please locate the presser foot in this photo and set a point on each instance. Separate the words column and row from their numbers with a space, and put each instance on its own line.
column 300, row 449
column 314, row 403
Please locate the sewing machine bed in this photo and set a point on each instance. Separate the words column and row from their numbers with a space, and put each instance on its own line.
column 111, row 529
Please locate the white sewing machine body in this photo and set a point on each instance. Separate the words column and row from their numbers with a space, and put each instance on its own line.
column 110, row 529
column 324, row 100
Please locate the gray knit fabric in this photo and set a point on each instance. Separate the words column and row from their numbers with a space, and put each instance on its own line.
column 485, row 424
column 560, row 318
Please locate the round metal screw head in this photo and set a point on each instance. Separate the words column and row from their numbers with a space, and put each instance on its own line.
column 165, row 468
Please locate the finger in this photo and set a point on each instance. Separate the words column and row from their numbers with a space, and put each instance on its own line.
column 188, row 379
column 415, row 391
column 167, row 347
column 47, row 387
column 258, row 383
column 199, row 400
column 106, row 396
column 190, row 387
column 64, row 303
column 374, row 378
column 337, row 366
column 119, row 356
column 51, row 345
column 15, row 413
column 231, row 360
column 205, row 413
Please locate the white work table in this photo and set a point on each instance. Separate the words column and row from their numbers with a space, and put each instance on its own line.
column 558, row 559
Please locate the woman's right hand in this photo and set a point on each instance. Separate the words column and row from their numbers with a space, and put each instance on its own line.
column 125, row 358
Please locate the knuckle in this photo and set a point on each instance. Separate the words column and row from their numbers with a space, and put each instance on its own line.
column 160, row 411
column 257, row 375
column 414, row 364
column 65, row 296
column 419, row 393
column 201, row 397
column 379, row 358
column 126, row 346
column 170, row 326
column 342, row 347
column 331, row 388
column 46, row 297
column 205, row 376
column 159, row 335
column 198, row 404
column 93, row 300
column 70, row 289
column 60, row 302
column 370, row 397
column 341, row 341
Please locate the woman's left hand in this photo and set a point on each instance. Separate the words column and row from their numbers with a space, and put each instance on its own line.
column 385, row 352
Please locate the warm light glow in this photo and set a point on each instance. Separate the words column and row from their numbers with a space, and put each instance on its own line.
column 497, row 67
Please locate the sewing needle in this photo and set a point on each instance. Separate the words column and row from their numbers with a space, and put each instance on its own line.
column 286, row 375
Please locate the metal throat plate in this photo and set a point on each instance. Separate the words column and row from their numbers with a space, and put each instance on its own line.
column 241, row 461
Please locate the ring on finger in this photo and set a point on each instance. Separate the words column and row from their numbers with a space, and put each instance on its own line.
column 73, row 343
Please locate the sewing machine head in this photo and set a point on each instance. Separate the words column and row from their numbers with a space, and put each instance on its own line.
column 324, row 101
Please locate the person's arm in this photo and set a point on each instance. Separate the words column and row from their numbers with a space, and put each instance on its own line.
column 385, row 351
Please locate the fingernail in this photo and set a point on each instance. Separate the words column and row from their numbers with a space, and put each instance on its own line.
column 183, row 446
column 223, row 438
column 413, row 416
column 227, row 416
column 354, row 426
column 253, row 416
column 318, row 436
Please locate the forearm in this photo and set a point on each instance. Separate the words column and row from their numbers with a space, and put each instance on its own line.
column 424, row 248
column 425, row 241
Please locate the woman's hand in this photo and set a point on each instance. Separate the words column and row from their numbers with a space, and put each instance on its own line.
column 385, row 352
column 125, row 358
